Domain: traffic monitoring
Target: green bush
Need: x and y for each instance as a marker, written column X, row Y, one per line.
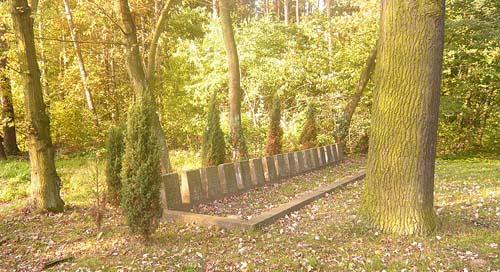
column 140, row 199
column 275, row 133
column 213, row 149
column 114, row 148
column 309, row 131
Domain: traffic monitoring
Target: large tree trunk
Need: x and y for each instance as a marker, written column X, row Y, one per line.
column 7, row 115
column 399, row 187
column 44, row 179
column 236, row 131
column 138, row 75
column 81, row 64
column 345, row 122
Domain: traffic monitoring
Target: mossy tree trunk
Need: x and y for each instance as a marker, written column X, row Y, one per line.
column 399, row 188
column 44, row 179
column 236, row 131
column 7, row 115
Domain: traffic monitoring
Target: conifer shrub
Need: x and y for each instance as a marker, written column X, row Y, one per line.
column 114, row 156
column 140, row 198
column 309, row 131
column 213, row 150
column 275, row 133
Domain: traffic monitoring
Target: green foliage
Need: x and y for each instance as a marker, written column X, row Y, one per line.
column 213, row 149
column 309, row 131
column 114, row 147
column 275, row 133
column 470, row 103
column 140, row 198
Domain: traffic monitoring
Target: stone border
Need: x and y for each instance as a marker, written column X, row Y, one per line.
column 265, row 218
column 216, row 182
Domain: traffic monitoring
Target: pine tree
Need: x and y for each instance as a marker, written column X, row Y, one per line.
column 141, row 172
column 114, row 147
column 275, row 133
column 309, row 132
column 213, row 150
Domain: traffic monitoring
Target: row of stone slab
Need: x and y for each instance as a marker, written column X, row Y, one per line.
column 192, row 187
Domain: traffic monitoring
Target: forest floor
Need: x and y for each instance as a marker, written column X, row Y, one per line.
column 325, row 235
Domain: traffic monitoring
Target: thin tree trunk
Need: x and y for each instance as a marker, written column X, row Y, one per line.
column 214, row 9
column 399, row 189
column 285, row 11
column 3, row 156
column 7, row 115
column 236, row 131
column 349, row 110
column 138, row 75
column 328, row 8
column 159, row 30
column 277, row 9
column 44, row 179
column 297, row 11
column 81, row 64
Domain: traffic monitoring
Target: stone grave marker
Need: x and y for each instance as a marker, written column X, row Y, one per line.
column 172, row 190
column 227, row 176
column 191, row 189
column 243, row 177
column 257, row 172
column 211, row 183
column 269, row 169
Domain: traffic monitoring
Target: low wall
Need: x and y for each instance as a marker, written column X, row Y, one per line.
column 182, row 191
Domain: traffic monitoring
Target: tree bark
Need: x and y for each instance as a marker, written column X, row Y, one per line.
column 44, row 179
column 285, row 11
column 159, row 29
column 214, row 9
column 138, row 75
column 328, row 8
column 7, row 115
column 297, row 11
column 399, row 188
column 345, row 122
column 81, row 64
column 236, row 131
column 3, row 156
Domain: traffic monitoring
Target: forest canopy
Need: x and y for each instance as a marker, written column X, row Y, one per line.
column 317, row 60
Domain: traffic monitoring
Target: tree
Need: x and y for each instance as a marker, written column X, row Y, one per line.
column 399, row 187
column 141, row 78
column 7, row 116
column 275, row 133
column 213, row 149
column 309, row 131
column 345, row 122
column 236, row 131
column 81, row 64
column 141, row 171
column 114, row 148
column 44, row 179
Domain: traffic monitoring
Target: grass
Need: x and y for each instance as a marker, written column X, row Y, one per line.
column 325, row 235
